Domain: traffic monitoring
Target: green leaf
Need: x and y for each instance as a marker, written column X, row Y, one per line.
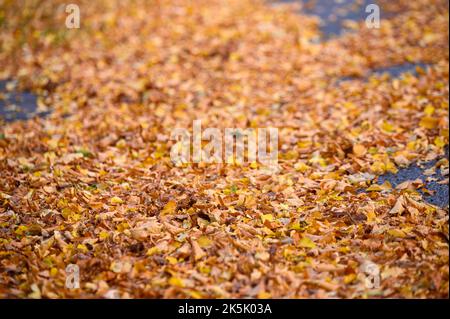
column 85, row 153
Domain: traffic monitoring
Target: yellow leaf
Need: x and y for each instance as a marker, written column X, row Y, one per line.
column 21, row 230
column 121, row 143
column 349, row 278
column 53, row 272
column 195, row 294
column 306, row 242
column 170, row 208
column 264, row 295
column 204, row 269
column 429, row 110
column 116, row 200
column 429, row 122
column 304, row 144
column 439, row 142
column 122, row 226
column 301, row 167
column 344, row 249
column 371, row 216
column 390, row 167
column 267, row 217
column 152, row 251
column 103, row 235
column 387, row 127
column 171, row 260
column 82, row 248
column 177, row 282
column 378, row 188
column 204, row 241
column 267, row 231
column 317, row 159
column 349, row 105
column 397, row 233
column 359, row 150
column 378, row 167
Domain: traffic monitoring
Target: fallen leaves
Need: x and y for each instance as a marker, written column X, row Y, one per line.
column 93, row 184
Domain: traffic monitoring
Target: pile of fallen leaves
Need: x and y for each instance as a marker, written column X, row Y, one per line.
column 93, row 183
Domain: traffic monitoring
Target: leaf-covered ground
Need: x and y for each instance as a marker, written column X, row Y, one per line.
column 92, row 184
